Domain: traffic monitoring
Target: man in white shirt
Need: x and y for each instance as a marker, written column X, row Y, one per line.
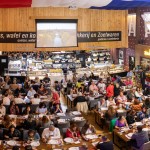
column 50, row 133
column 18, row 99
column 2, row 109
column 36, row 99
column 6, row 99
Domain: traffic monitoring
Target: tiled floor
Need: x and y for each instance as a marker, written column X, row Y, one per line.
column 90, row 118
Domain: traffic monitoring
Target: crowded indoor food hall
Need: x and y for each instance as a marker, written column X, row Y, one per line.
column 74, row 75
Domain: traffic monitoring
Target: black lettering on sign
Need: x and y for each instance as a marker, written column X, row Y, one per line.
column 30, row 37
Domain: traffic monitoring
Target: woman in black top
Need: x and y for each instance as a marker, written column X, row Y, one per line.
column 27, row 110
column 30, row 123
column 12, row 133
column 131, row 115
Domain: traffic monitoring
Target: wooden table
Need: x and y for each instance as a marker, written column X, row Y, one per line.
column 97, row 118
column 43, row 146
column 122, row 136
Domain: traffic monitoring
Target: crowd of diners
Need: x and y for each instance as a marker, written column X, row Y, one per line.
column 41, row 99
column 111, row 92
column 117, row 93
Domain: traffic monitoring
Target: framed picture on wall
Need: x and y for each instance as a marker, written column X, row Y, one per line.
column 120, row 54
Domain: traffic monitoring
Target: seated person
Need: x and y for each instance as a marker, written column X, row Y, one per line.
column 139, row 138
column 18, row 99
column 12, row 133
column 29, row 147
column 137, row 106
column 102, row 86
column 121, row 122
column 16, row 148
column 73, row 132
column 87, row 129
column 27, row 110
column 79, row 83
column 86, row 90
column 128, row 82
column 46, row 79
column 41, row 109
column 6, row 99
column 121, row 98
column 111, row 102
column 73, row 90
column 110, row 114
column 2, row 109
column 142, row 114
column 57, row 109
column 7, row 122
column 13, row 108
column 14, row 85
column 105, row 144
column 138, row 94
column 102, row 103
column 32, row 136
column 93, row 88
column 131, row 94
column 42, row 91
column 131, row 116
column 45, row 122
column 55, row 97
column 19, row 90
column 50, row 133
column 31, row 93
column 30, row 123
column 36, row 100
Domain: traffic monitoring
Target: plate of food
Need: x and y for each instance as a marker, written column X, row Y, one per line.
column 73, row 148
column 104, row 108
column 69, row 140
column 94, row 136
column 11, row 143
column 35, row 143
column 53, row 141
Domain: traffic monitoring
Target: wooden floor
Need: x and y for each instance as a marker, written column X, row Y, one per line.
column 90, row 117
